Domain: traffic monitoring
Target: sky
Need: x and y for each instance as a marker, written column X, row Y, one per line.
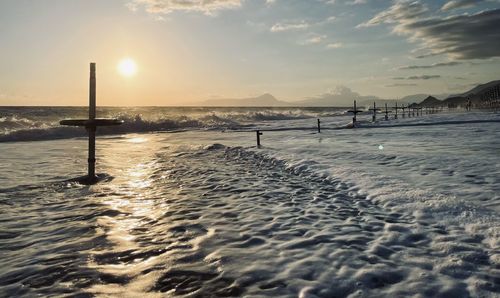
column 192, row 50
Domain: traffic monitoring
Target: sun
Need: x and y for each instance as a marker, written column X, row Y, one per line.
column 127, row 67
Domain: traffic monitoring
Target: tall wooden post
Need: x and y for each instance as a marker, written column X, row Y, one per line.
column 91, row 129
column 386, row 113
column 90, row 125
column 319, row 126
column 354, row 111
column 375, row 109
column 396, row 111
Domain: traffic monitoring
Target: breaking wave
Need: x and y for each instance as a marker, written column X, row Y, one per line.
column 24, row 124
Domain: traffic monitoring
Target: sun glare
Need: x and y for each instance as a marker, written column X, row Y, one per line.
column 127, row 67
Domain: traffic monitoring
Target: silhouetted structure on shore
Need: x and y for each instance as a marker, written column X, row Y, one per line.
column 374, row 109
column 386, row 113
column 91, row 125
column 355, row 111
column 396, row 108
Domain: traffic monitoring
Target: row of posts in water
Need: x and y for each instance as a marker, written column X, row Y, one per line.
column 92, row 122
column 405, row 111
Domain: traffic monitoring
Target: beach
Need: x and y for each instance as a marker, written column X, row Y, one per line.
column 201, row 211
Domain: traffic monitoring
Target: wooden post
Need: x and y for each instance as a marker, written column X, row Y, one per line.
column 319, row 126
column 90, row 125
column 396, row 111
column 374, row 117
column 92, row 92
column 258, row 133
column 403, row 108
column 386, row 113
column 355, row 111
column 91, row 129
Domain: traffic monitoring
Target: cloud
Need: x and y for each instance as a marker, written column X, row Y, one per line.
column 330, row 19
column 460, row 37
column 300, row 25
column 401, row 85
column 441, row 64
column 455, row 4
column 429, row 54
column 467, row 36
column 422, row 77
column 314, row 39
column 402, row 11
column 339, row 95
column 354, row 2
column 167, row 6
column 280, row 27
column 462, row 87
column 334, row 45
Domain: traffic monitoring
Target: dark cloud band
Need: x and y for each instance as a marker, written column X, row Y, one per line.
column 466, row 36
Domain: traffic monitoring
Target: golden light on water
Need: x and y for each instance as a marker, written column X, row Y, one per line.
column 127, row 67
column 137, row 140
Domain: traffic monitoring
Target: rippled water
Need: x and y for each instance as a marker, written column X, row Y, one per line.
column 394, row 211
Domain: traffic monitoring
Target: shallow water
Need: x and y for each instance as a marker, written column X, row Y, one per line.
column 394, row 211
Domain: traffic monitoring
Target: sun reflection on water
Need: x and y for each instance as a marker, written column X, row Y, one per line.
column 137, row 140
column 130, row 196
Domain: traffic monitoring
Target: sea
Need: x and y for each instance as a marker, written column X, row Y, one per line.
column 189, row 206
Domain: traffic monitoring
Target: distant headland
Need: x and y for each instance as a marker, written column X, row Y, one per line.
column 342, row 97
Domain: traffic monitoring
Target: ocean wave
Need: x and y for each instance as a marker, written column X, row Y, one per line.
column 131, row 125
column 12, row 123
column 15, row 128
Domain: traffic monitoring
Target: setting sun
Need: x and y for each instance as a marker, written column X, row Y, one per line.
column 127, row 67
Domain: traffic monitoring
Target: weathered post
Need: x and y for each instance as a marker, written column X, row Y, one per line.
column 90, row 125
column 319, row 126
column 403, row 108
column 374, row 109
column 91, row 129
column 396, row 108
column 258, row 133
column 386, row 113
column 355, row 111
